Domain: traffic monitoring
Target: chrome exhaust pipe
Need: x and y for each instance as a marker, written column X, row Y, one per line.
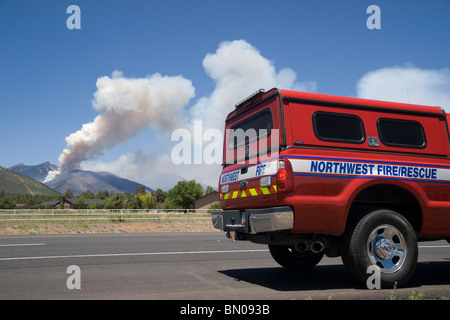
column 319, row 245
column 316, row 245
column 303, row 246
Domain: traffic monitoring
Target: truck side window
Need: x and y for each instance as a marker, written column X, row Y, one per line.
column 338, row 127
column 401, row 133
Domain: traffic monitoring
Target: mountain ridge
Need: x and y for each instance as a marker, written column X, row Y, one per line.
column 15, row 183
column 80, row 181
column 77, row 180
column 36, row 172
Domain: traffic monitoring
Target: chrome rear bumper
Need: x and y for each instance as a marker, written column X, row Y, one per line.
column 254, row 221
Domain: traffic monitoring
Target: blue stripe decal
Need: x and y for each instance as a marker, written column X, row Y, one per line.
column 366, row 177
column 370, row 170
column 365, row 161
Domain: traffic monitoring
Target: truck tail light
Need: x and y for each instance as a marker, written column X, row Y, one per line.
column 285, row 177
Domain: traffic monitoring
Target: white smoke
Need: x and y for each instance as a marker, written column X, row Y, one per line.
column 407, row 84
column 51, row 175
column 126, row 106
column 238, row 70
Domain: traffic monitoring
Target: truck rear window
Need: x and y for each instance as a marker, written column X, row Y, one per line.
column 401, row 133
column 338, row 127
column 251, row 129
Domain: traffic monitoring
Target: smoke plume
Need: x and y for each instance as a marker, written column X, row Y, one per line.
column 126, row 106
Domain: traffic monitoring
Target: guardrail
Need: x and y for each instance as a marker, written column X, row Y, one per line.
column 113, row 215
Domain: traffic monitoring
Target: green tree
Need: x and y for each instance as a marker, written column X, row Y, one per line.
column 148, row 201
column 81, row 202
column 140, row 190
column 183, row 194
column 134, row 203
column 7, row 202
column 68, row 193
column 107, row 203
column 208, row 190
column 160, row 195
column 88, row 194
column 92, row 205
column 102, row 194
column 116, row 201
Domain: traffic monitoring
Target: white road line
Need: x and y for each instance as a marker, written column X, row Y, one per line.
column 150, row 254
column 434, row 246
column 129, row 254
column 22, row 244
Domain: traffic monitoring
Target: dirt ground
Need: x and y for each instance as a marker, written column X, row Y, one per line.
column 23, row 228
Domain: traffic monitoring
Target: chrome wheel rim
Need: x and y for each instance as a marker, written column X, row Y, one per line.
column 386, row 248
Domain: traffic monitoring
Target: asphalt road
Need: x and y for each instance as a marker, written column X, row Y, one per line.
column 188, row 267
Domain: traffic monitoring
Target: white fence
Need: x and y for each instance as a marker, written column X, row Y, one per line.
column 113, row 215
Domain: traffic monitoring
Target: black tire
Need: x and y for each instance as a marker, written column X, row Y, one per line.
column 383, row 238
column 291, row 259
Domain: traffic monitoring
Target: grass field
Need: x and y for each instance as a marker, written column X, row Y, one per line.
column 100, row 221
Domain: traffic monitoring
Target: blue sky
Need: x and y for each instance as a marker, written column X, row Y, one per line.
column 49, row 73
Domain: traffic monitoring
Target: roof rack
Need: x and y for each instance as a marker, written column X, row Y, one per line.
column 250, row 97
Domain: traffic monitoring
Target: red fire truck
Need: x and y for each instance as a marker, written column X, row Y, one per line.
column 312, row 175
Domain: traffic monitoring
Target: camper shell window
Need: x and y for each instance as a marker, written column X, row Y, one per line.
column 401, row 133
column 338, row 127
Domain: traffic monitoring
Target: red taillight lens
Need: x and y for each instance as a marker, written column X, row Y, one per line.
column 285, row 176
